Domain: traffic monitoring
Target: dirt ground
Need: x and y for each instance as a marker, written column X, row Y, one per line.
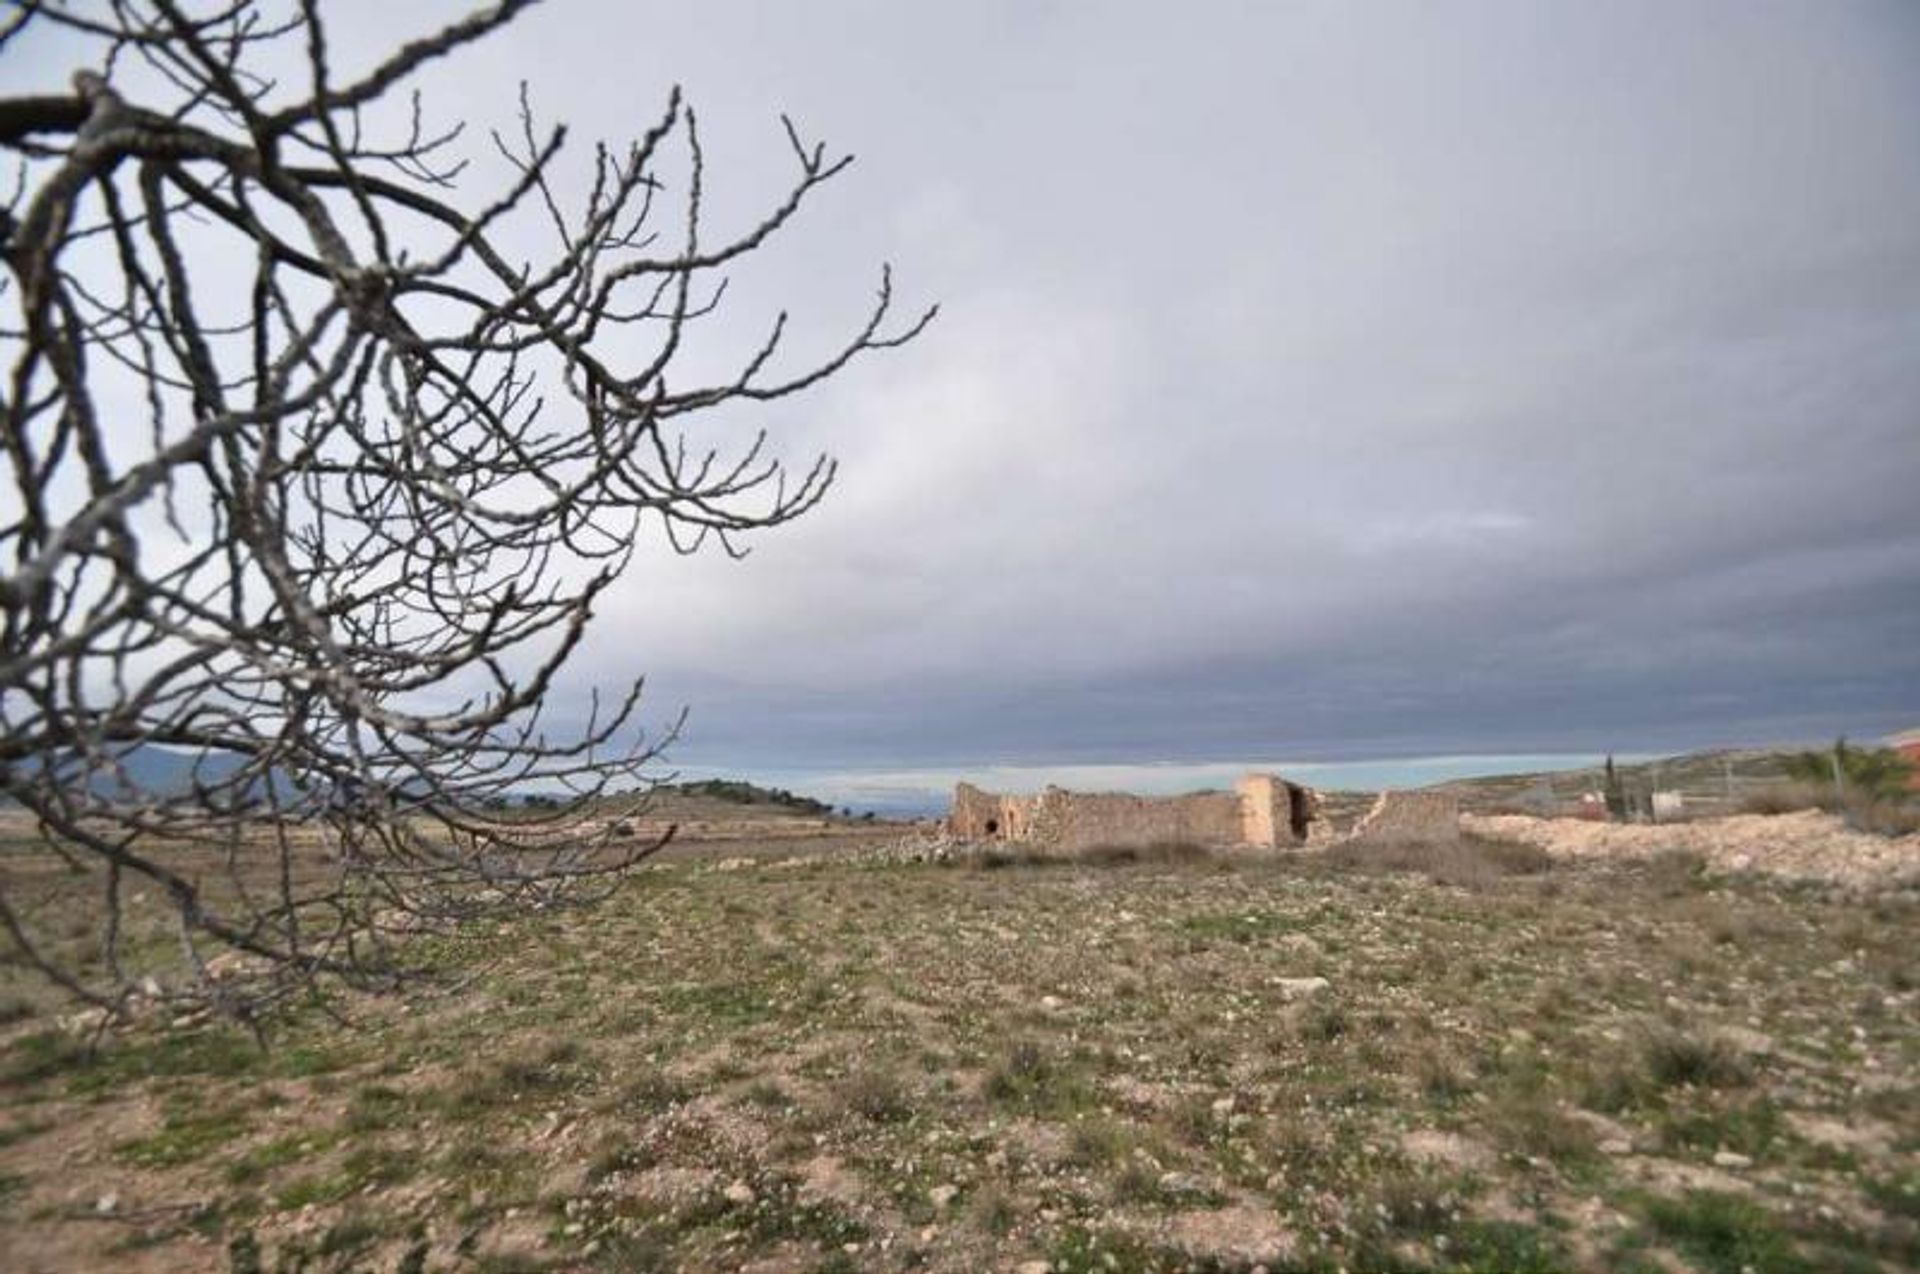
column 778, row 1059
column 1808, row 845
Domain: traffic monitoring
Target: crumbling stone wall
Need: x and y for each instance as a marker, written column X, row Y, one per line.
column 1274, row 812
column 1426, row 817
column 981, row 815
column 1263, row 811
column 1081, row 820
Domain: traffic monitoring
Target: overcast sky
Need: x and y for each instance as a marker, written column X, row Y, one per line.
column 1318, row 380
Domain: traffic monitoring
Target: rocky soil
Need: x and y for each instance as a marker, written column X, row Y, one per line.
column 856, row 1061
column 1807, row 845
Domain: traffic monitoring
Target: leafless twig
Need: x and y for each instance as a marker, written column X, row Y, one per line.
column 314, row 482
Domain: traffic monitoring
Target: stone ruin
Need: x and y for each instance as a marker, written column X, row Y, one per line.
column 1427, row 818
column 1264, row 811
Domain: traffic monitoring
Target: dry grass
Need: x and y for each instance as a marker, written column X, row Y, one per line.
column 1883, row 815
column 1470, row 862
column 1125, row 1062
column 993, row 856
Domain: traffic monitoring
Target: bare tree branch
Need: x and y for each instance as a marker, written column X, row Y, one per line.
column 313, row 483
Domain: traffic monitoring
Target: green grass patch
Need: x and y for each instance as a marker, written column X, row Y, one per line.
column 1749, row 1128
column 1034, row 1080
column 368, row 1166
column 1510, row 1246
column 37, row 1057
column 187, row 1134
column 1242, row 927
column 277, row 1153
column 1724, row 1234
column 727, row 1004
column 376, row 1107
column 1897, row 1194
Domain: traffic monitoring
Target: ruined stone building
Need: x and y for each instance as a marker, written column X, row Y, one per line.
column 1264, row 811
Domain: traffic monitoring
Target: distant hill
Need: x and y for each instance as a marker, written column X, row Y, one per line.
column 159, row 771
column 1718, row 778
column 740, row 792
column 164, row 771
column 723, row 800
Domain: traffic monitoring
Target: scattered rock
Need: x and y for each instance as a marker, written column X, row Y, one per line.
column 1804, row 845
column 1242, row 1234
column 1853, row 1134
column 825, row 1179
column 1426, row 1145
column 107, row 1203
column 1616, row 1146
column 943, row 1195
column 1731, row 1159
column 739, row 1193
column 1302, row 988
column 1182, row 1183
column 1034, row 1267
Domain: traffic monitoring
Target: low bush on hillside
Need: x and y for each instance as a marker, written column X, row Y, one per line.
column 1887, row 815
column 1471, row 861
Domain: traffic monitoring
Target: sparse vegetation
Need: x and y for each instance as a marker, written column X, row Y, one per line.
column 1472, row 862
column 1876, row 773
column 1894, row 812
column 1726, row 1234
column 1162, row 1061
column 1676, row 1058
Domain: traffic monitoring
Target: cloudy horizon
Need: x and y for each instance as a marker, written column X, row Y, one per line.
column 1330, row 382
column 1334, row 384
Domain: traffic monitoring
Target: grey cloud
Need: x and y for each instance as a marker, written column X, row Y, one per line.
column 1312, row 380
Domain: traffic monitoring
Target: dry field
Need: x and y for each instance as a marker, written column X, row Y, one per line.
column 819, row 1059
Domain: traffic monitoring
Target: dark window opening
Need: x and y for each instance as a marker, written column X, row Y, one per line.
column 993, row 827
column 1297, row 816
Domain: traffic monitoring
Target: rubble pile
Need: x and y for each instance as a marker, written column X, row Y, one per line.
column 1804, row 845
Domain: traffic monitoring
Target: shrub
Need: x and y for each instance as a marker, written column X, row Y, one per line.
column 1471, row 862
column 1880, row 773
column 1673, row 1058
column 876, row 1096
column 1725, row 1234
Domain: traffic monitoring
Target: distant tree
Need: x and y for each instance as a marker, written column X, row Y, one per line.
column 1615, row 793
column 318, row 471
